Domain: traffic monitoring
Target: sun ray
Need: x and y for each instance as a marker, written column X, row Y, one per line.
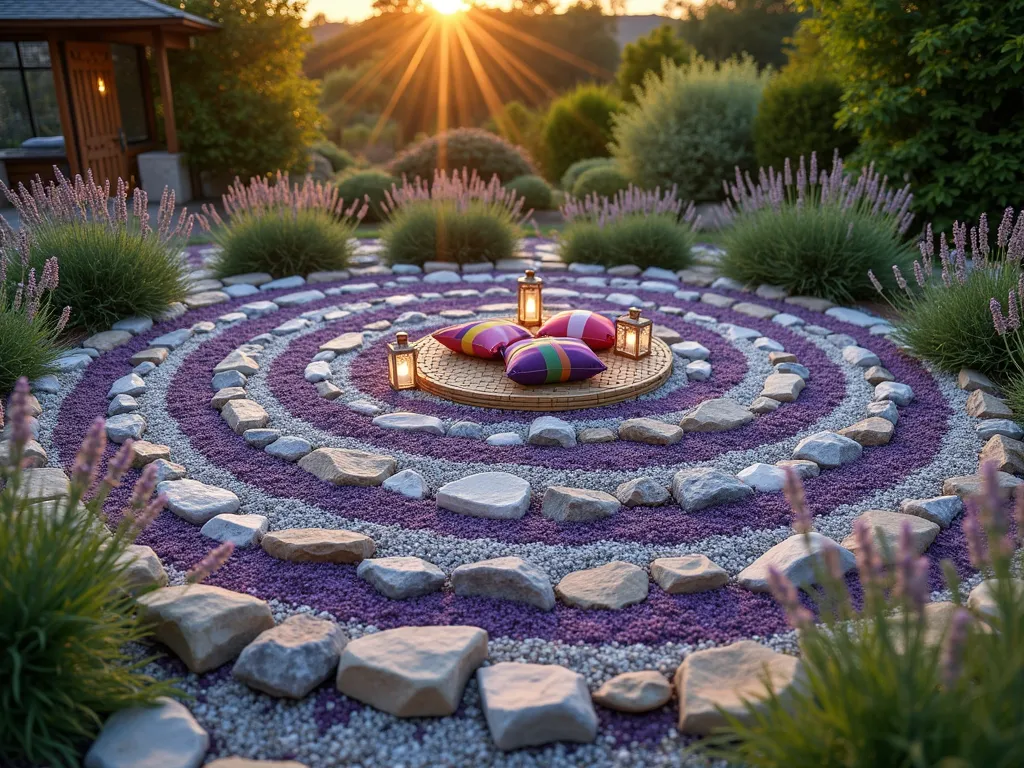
column 383, row 31
column 403, row 83
column 523, row 72
column 442, row 97
column 483, row 81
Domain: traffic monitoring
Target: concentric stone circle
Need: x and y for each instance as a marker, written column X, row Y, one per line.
column 799, row 370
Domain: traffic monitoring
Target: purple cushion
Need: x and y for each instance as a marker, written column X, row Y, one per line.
column 550, row 361
column 482, row 338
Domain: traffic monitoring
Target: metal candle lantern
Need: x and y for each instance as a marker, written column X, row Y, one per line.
column 633, row 335
column 402, row 363
column 530, row 305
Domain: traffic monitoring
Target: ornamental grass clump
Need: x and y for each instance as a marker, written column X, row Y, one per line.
column 29, row 331
column 889, row 679
column 457, row 218
column 944, row 308
column 113, row 263
column 283, row 229
column 648, row 228
column 816, row 233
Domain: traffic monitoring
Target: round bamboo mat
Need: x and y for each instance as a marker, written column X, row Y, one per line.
column 483, row 383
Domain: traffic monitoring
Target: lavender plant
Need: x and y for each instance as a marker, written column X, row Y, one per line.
column 890, row 679
column 945, row 305
column 28, row 330
column 281, row 228
column 648, row 228
column 113, row 262
column 458, row 217
column 816, row 232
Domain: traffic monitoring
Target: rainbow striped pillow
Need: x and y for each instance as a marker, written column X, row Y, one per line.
column 596, row 330
column 482, row 338
column 550, row 361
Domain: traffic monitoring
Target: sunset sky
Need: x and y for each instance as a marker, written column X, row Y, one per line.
column 354, row 10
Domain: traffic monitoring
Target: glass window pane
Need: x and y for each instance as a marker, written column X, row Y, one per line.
column 42, row 95
column 130, row 94
column 34, row 54
column 15, row 125
column 8, row 55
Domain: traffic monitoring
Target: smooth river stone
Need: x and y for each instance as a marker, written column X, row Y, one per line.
column 828, row 450
column 347, row 342
column 871, row 431
column 318, row 545
column 197, row 502
column 612, row 586
column 505, row 578
column 400, row 578
column 886, row 527
column 575, row 505
column 701, row 487
column 343, row 466
column 796, row 558
column 687, row 574
column 410, row 422
column 642, row 492
column 635, row 692
column 650, row 431
column 164, row 735
column 717, row 415
column 495, row 495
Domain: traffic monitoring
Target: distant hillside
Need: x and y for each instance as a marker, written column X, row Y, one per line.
column 326, row 31
column 633, row 27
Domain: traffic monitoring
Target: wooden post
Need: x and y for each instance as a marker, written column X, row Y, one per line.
column 67, row 127
column 164, row 76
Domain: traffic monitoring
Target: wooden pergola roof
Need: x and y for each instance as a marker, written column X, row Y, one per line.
column 38, row 15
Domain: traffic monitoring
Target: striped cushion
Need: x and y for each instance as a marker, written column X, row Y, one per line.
column 550, row 361
column 596, row 330
column 482, row 338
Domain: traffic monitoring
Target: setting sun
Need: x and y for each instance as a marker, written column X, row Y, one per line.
column 447, row 7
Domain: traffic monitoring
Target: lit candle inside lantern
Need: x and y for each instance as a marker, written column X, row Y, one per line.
column 403, row 371
column 531, row 307
column 630, row 339
column 402, row 363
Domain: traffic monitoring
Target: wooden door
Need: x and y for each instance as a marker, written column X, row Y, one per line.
column 96, row 111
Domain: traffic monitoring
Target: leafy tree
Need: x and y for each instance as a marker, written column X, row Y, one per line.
column 722, row 29
column 578, row 126
column 933, row 91
column 244, row 105
column 397, row 6
column 647, row 54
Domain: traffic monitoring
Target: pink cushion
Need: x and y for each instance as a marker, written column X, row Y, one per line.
column 597, row 331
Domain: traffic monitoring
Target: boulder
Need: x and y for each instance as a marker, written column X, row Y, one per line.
column 244, row 414
column 289, row 448
column 982, row 405
column 701, row 487
column 347, row 342
column 828, row 450
column 596, row 435
column 241, row 530
column 970, row 380
column 495, row 495
column 863, row 358
column 716, row 415
column 971, row 485
column 412, row 671
column 901, row 394
column 293, row 658
column 876, row 375
column 409, row 483
column 205, row 626
column 784, row 387
column 885, row 528
column 989, row 428
column 885, row 409
column 400, row 578
column 143, row 570
column 126, row 426
column 612, row 586
column 649, row 431
column 132, row 385
column 318, row 545
column 528, row 705
column 717, row 681
column 237, row 361
column 941, row 510
column 766, row 478
column 797, row 558
column 635, row 692
column 197, row 502
column 1006, row 453
column 642, row 492
column 345, row 466
column 687, row 574
column 871, row 431
column 575, row 505
column 161, row 736
column 505, row 578
column 804, row 469
column 548, row 430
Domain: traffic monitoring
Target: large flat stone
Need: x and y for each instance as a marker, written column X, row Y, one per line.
column 635, row 692
column 828, row 450
column 412, row 671
column 687, row 574
column 344, row 466
column 505, row 578
column 410, row 422
column 43, row 484
column 701, row 487
column 244, row 414
column 650, row 431
column 132, row 385
column 871, row 431
column 718, row 415
column 1005, row 453
column 401, row 578
column 784, row 387
column 197, row 502
column 318, row 545
column 797, row 558
column 885, row 527
column 347, row 342
column 941, row 510
column 293, row 658
column 728, row 678
column 161, row 736
column 971, row 485
column 205, row 626
column 528, row 705
column 237, row 361
column 125, row 426
column 107, row 340
column 612, row 586
column 241, row 530
column 575, row 505
column 495, row 495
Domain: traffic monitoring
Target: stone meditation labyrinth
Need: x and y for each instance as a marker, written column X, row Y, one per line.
column 422, row 582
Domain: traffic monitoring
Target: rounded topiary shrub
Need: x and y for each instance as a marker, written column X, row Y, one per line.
column 458, row 218
column 577, row 169
column 294, row 230
column 603, row 181
column 339, row 158
column 691, row 127
column 578, row 126
column 534, row 191
column 474, row 149
column 370, row 186
column 797, row 117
